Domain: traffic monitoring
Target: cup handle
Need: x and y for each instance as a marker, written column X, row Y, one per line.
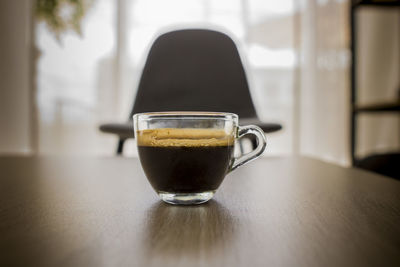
column 261, row 144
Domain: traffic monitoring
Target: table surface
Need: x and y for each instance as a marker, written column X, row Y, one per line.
column 66, row 211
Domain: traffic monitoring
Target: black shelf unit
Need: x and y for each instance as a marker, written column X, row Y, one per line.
column 383, row 3
column 377, row 107
column 356, row 109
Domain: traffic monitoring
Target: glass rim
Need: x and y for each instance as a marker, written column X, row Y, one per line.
column 182, row 115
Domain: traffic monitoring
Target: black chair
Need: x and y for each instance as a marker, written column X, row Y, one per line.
column 192, row 70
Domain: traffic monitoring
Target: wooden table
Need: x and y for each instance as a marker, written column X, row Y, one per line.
column 65, row 211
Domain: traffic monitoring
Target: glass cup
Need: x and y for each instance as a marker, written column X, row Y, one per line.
column 186, row 155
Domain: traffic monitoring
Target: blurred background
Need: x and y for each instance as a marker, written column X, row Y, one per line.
column 58, row 84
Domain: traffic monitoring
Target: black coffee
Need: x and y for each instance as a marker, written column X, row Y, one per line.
column 185, row 160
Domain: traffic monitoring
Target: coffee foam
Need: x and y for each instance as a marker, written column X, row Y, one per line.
column 165, row 137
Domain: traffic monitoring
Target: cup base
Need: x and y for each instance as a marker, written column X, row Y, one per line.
column 186, row 198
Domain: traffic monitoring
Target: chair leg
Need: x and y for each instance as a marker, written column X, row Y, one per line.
column 254, row 142
column 120, row 147
column 241, row 147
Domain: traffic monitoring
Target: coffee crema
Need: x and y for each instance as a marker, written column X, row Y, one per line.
column 183, row 137
column 185, row 160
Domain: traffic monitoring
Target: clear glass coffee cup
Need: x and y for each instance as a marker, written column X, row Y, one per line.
column 186, row 155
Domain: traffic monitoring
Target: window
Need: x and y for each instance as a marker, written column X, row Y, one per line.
column 86, row 80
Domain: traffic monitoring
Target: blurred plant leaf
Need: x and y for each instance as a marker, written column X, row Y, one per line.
column 62, row 15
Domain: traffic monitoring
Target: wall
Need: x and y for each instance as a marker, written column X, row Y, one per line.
column 15, row 47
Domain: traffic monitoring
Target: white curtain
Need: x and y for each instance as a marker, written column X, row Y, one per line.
column 324, row 92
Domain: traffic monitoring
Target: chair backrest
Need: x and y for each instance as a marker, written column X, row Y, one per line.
column 194, row 70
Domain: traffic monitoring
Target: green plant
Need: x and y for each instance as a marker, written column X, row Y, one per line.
column 62, row 15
